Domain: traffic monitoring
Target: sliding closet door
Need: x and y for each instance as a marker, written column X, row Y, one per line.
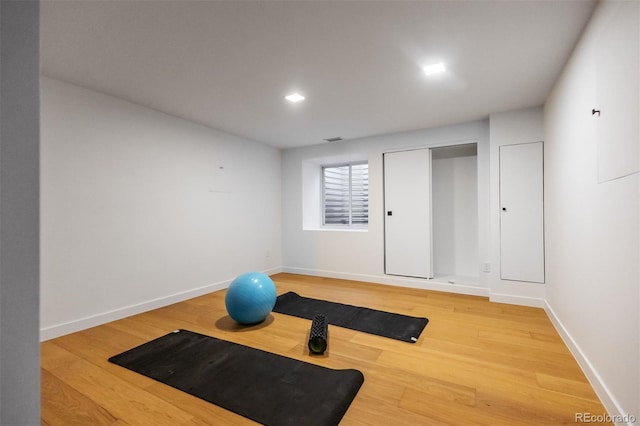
column 407, row 203
column 521, row 213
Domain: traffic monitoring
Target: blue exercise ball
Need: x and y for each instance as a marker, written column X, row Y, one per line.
column 250, row 298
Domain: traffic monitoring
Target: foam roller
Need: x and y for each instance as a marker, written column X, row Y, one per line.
column 318, row 335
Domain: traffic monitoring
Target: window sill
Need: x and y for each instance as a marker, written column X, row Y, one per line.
column 336, row 229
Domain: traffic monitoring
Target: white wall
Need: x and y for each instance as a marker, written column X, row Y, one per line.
column 137, row 211
column 592, row 229
column 360, row 255
column 454, row 194
column 357, row 254
column 509, row 128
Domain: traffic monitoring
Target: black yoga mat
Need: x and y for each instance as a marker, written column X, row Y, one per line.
column 265, row 387
column 386, row 324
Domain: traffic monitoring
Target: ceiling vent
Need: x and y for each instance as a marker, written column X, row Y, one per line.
column 338, row 139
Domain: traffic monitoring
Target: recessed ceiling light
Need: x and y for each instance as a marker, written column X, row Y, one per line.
column 294, row 97
column 434, row 69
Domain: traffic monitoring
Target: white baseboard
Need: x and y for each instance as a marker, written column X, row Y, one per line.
column 517, row 300
column 425, row 284
column 606, row 397
column 57, row 330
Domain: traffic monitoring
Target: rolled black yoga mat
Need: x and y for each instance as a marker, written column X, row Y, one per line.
column 265, row 387
column 381, row 323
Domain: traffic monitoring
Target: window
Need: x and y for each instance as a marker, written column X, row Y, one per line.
column 345, row 194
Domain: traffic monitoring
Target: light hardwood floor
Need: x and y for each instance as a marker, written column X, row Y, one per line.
column 476, row 362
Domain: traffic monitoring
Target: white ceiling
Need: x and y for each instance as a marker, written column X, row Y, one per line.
column 228, row 64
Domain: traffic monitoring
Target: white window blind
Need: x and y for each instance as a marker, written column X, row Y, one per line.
column 345, row 194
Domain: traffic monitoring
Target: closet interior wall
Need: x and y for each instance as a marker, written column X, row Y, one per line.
column 455, row 213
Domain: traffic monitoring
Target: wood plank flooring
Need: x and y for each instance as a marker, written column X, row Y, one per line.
column 476, row 362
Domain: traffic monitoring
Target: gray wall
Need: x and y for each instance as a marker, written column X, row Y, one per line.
column 19, row 211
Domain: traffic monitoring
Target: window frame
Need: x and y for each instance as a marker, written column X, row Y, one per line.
column 349, row 225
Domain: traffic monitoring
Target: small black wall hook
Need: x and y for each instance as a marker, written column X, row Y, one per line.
column 595, row 111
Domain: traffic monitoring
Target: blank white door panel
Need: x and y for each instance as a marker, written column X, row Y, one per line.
column 521, row 212
column 407, row 201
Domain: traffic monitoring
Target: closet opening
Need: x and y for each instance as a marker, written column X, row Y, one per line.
column 454, row 204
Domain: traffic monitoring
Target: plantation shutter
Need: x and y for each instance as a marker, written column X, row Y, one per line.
column 346, row 194
column 336, row 195
column 360, row 194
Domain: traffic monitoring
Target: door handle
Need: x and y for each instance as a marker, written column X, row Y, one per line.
column 389, row 213
column 504, row 209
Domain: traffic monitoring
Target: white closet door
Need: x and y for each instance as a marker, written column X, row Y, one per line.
column 521, row 212
column 407, row 201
